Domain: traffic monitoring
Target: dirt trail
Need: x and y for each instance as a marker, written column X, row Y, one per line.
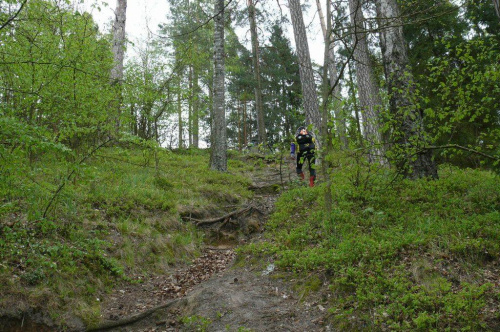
column 239, row 299
column 215, row 295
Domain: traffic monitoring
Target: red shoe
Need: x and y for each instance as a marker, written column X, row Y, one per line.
column 311, row 181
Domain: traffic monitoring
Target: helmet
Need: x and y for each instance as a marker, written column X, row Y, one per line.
column 300, row 129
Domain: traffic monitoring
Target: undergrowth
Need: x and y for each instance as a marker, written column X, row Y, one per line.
column 64, row 240
column 396, row 255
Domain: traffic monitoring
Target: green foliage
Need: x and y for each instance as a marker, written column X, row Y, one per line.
column 465, row 85
column 196, row 323
column 281, row 86
column 51, row 70
column 395, row 252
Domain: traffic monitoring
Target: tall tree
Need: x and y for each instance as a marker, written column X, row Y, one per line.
column 119, row 41
column 305, row 66
column 496, row 3
column 195, row 121
column 281, row 87
column 218, row 157
column 261, row 129
column 179, row 114
column 118, row 49
column 327, row 30
column 192, row 38
column 408, row 130
column 370, row 101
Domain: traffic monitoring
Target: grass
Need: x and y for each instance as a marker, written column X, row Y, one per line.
column 117, row 217
column 404, row 255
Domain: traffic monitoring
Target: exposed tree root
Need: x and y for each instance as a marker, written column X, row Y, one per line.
column 107, row 325
column 225, row 218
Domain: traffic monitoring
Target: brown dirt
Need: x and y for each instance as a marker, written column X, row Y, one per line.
column 238, row 299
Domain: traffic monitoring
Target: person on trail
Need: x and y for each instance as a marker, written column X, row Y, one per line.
column 302, row 148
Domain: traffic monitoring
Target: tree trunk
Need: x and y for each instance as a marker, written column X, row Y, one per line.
column 240, row 123
column 218, row 158
column 245, row 131
column 119, row 41
column 356, row 108
column 179, row 113
column 340, row 120
column 261, row 128
column 190, row 108
column 196, row 85
column 196, row 108
column 118, row 49
column 496, row 3
column 369, row 94
column 305, row 67
column 409, row 134
column 325, row 165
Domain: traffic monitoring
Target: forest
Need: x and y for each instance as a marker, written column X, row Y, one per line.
column 112, row 164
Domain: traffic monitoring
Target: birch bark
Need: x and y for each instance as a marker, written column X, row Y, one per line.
column 118, row 49
column 119, row 41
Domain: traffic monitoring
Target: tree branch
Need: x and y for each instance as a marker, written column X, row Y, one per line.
column 12, row 18
column 63, row 183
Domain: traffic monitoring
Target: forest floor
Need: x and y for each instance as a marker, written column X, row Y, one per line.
column 216, row 292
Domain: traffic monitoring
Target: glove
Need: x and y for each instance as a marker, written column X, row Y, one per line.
column 293, row 156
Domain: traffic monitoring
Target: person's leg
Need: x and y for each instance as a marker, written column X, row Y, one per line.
column 311, row 160
column 300, row 163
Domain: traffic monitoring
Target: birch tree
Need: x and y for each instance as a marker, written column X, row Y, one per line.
column 118, row 49
column 408, row 129
column 261, row 130
column 218, row 157
column 119, row 41
column 305, row 67
column 369, row 94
